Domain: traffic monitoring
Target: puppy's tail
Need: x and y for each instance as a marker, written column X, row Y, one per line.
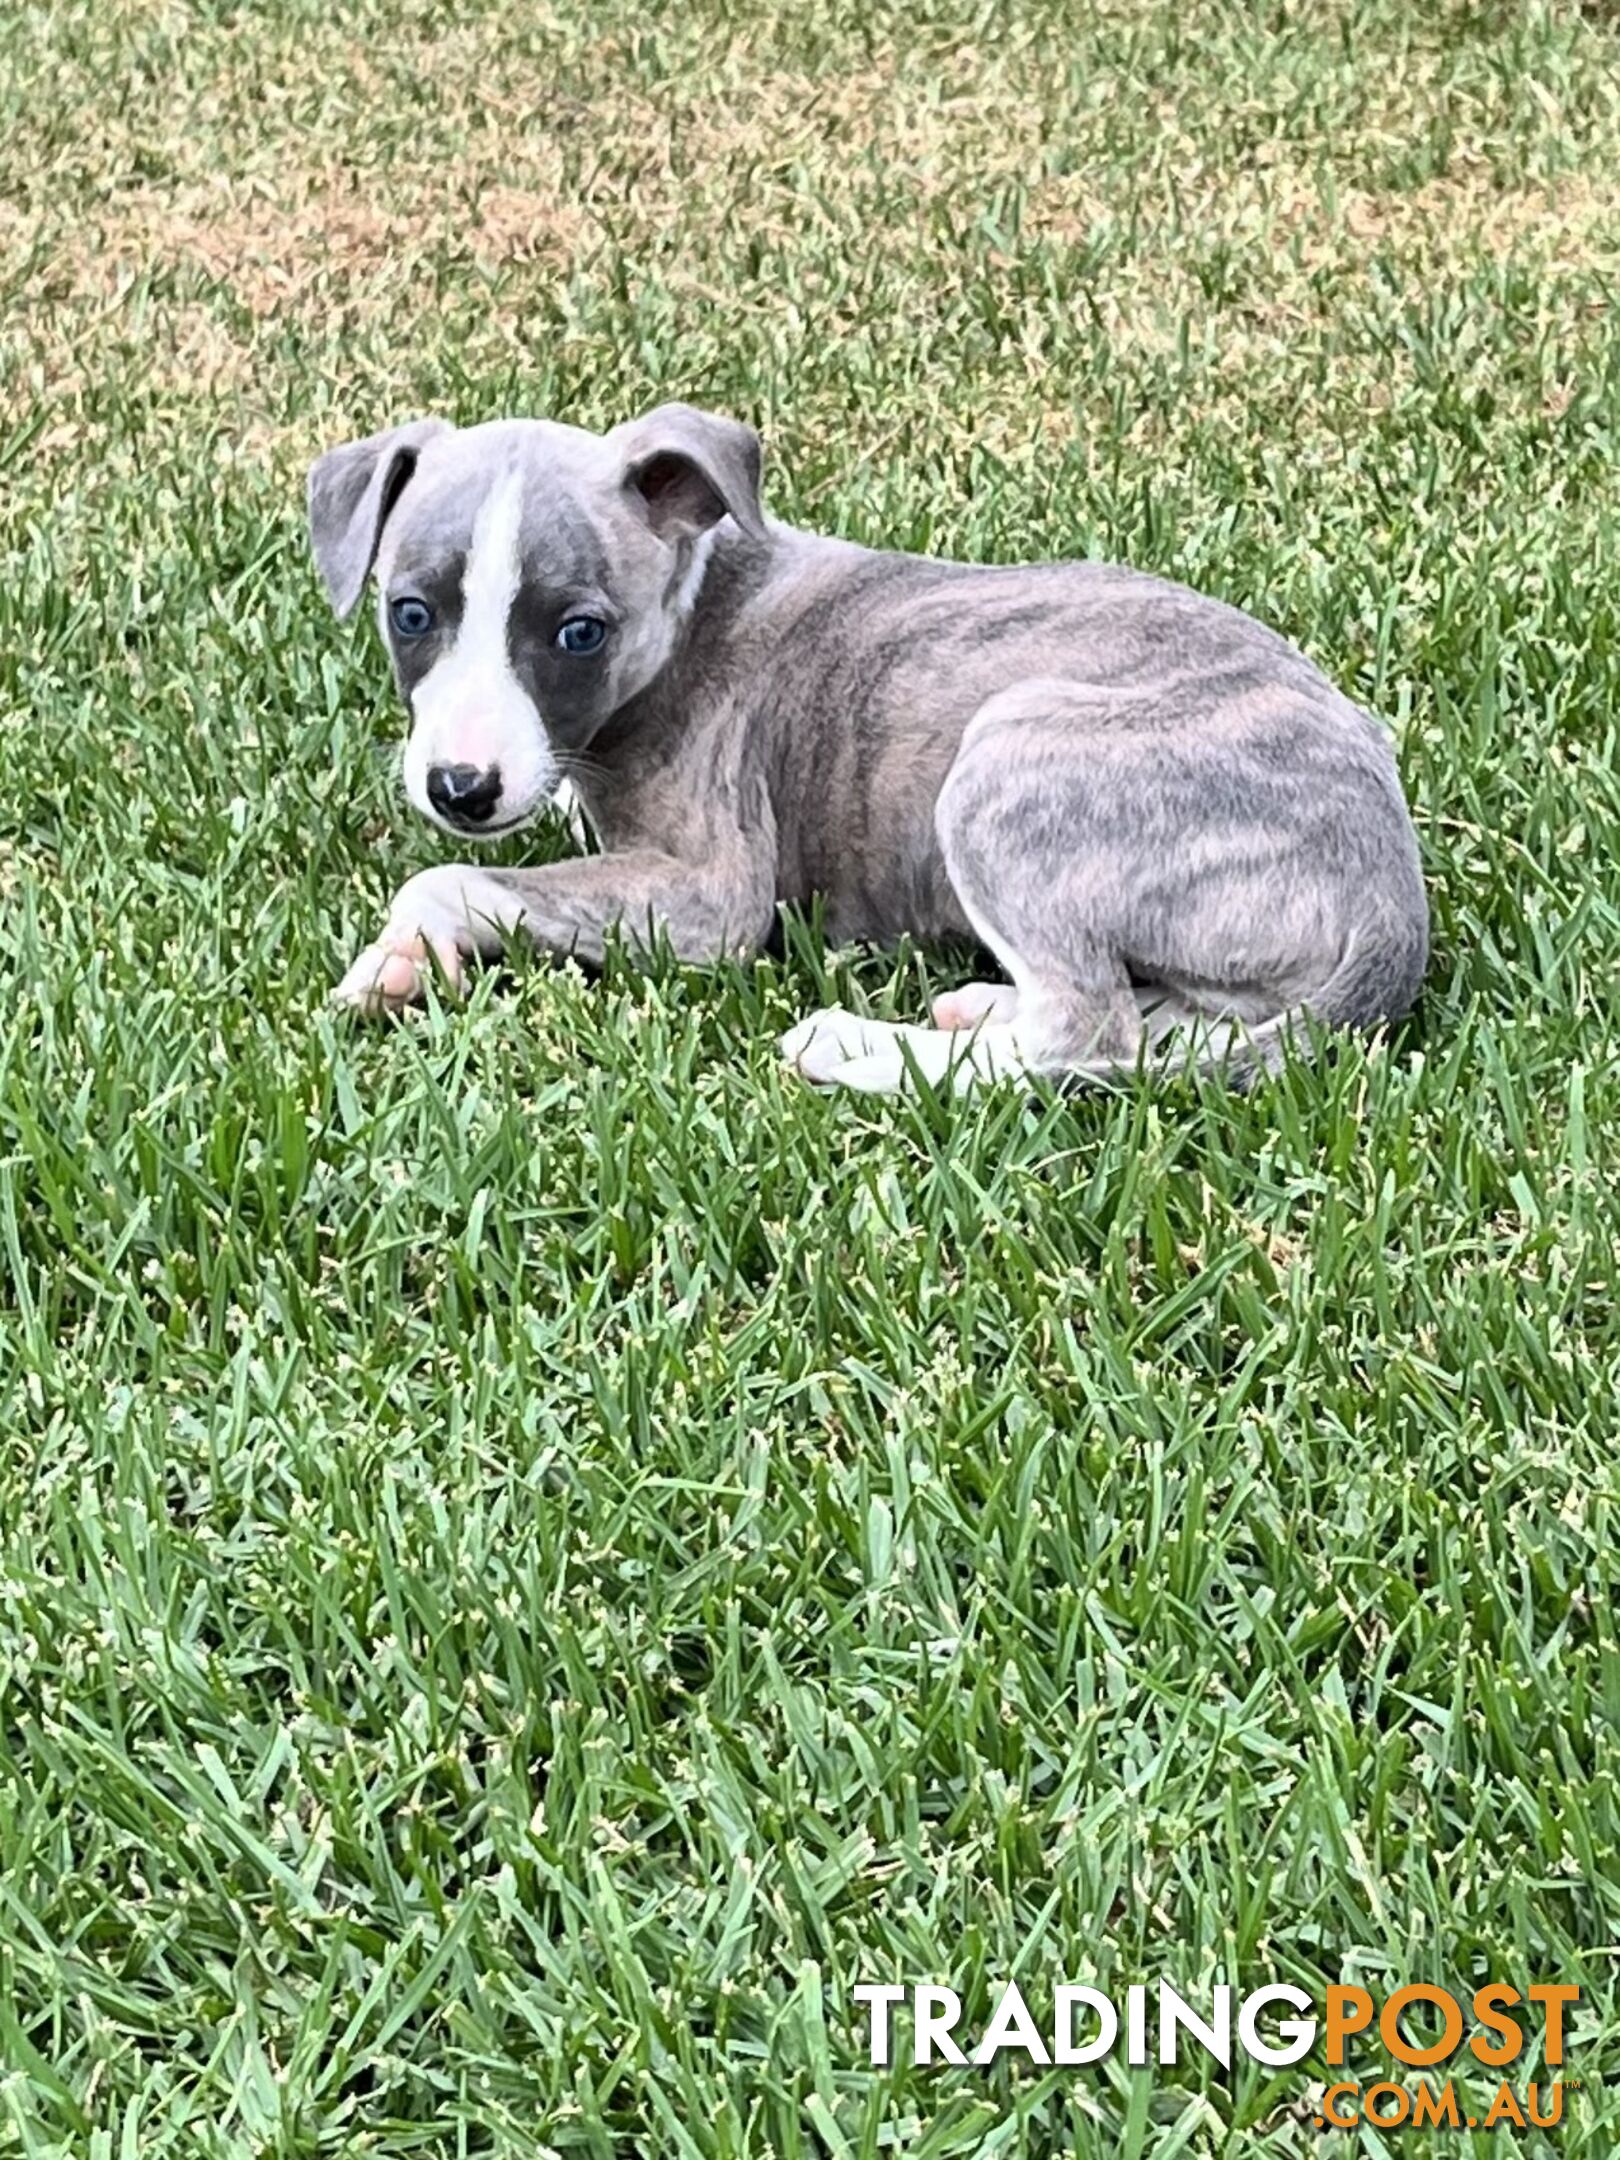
column 1377, row 978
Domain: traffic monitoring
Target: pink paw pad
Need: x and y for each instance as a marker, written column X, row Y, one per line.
column 974, row 1004
column 396, row 971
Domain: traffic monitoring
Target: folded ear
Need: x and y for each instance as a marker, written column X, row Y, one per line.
column 688, row 469
column 351, row 491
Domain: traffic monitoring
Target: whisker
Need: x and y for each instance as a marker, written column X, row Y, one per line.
column 573, row 765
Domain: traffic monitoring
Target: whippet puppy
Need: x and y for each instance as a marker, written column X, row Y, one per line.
column 1154, row 812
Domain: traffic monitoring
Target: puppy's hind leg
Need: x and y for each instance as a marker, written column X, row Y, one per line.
column 1039, row 896
column 1039, row 884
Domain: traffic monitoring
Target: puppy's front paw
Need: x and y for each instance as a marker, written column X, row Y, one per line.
column 395, row 973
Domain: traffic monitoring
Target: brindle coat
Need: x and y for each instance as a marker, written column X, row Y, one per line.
column 1153, row 810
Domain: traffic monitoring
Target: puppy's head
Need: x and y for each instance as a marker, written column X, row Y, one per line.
column 531, row 580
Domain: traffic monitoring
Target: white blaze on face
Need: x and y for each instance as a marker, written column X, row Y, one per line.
column 470, row 709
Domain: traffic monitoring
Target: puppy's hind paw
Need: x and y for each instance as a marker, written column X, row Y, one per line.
column 395, row 972
column 882, row 1057
column 975, row 1004
column 818, row 1046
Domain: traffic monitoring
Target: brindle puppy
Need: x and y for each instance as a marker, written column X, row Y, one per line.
column 1155, row 812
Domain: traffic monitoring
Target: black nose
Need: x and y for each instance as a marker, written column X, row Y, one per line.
column 464, row 794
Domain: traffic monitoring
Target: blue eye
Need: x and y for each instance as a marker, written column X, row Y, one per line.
column 411, row 618
column 582, row 634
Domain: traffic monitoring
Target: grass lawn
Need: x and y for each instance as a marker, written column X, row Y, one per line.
column 536, row 1552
